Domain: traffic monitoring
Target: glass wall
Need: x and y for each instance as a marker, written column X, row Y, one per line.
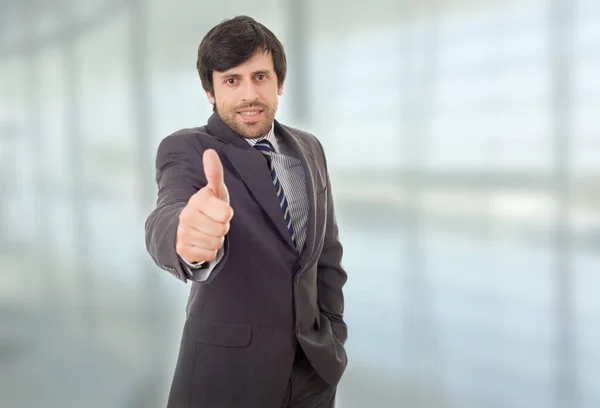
column 463, row 144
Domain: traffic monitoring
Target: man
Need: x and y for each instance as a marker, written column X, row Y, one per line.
column 245, row 212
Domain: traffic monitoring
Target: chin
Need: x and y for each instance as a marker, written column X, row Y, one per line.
column 252, row 131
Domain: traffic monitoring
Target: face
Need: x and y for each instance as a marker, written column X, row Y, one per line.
column 246, row 96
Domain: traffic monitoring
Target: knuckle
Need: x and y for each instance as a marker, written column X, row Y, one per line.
column 225, row 216
column 194, row 201
column 222, row 210
column 203, row 225
column 209, row 255
column 216, row 206
column 198, row 200
column 208, row 244
column 185, row 217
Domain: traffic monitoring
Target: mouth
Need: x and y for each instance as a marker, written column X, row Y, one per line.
column 250, row 115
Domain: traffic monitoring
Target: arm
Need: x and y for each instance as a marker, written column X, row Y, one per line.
column 179, row 175
column 331, row 276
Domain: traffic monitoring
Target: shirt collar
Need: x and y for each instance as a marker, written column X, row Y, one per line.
column 270, row 136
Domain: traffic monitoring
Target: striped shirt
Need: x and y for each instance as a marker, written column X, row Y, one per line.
column 293, row 181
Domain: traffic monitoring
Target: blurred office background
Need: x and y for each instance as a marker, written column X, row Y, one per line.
column 463, row 140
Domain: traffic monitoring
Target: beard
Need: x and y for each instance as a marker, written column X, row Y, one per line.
column 249, row 130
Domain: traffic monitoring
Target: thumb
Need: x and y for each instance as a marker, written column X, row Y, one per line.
column 213, row 170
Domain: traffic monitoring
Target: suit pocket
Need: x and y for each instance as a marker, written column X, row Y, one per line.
column 338, row 330
column 220, row 333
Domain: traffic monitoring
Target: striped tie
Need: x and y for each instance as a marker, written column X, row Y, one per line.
column 265, row 147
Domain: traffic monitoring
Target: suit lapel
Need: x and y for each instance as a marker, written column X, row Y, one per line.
column 252, row 169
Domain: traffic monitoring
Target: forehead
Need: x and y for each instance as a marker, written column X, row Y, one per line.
column 260, row 61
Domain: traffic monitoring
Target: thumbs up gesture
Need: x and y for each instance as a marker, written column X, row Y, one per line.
column 204, row 221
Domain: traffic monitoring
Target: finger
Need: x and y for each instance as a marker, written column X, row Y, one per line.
column 194, row 254
column 194, row 237
column 206, row 225
column 213, row 171
column 216, row 209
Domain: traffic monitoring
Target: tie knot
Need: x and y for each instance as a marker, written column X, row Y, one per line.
column 264, row 146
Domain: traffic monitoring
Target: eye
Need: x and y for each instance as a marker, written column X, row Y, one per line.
column 261, row 77
column 231, row 81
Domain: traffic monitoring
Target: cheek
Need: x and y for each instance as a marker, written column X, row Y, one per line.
column 227, row 105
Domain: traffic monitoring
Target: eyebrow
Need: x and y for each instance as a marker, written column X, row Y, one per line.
column 255, row 73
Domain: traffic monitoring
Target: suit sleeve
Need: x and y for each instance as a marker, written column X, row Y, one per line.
column 179, row 175
column 331, row 276
column 200, row 271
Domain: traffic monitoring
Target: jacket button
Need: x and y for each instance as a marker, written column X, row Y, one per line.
column 298, row 328
column 297, row 278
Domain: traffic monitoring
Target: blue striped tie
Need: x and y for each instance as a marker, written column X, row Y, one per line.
column 265, row 147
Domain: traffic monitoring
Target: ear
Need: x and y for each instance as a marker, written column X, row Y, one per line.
column 280, row 90
column 210, row 97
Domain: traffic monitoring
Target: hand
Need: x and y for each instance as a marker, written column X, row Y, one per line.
column 204, row 221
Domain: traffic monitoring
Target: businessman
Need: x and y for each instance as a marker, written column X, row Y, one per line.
column 245, row 212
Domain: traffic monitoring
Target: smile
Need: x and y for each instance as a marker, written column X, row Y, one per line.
column 251, row 116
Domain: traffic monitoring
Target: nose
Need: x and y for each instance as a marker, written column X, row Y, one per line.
column 248, row 91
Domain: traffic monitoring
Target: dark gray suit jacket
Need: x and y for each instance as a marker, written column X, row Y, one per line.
column 245, row 321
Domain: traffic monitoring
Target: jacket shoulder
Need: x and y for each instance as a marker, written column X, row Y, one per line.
column 308, row 137
column 187, row 135
column 187, row 140
column 303, row 133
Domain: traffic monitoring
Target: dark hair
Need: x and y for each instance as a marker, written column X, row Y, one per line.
column 233, row 42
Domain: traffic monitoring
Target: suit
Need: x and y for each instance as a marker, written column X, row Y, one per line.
column 264, row 298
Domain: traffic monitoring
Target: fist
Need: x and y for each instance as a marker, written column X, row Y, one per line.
column 204, row 221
